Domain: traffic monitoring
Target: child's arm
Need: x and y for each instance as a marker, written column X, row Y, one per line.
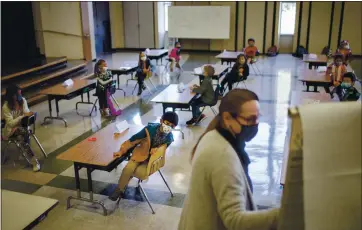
column 201, row 89
column 104, row 80
column 246, row 70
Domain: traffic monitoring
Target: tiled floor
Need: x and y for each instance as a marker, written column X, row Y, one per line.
column 56, row 179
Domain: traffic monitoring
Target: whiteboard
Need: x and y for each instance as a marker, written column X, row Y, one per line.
column 204, row 22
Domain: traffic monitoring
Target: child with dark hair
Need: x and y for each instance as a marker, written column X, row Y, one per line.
column 240, row 71
column 336, row 70
column 143, row 71
column 349, row 92
column 155, row 135
column 104, row 80
column 175, row 56
column 251, row 51
column 345, row 50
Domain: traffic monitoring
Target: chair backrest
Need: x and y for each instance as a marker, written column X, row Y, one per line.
column 216, row 95
column 157, row 160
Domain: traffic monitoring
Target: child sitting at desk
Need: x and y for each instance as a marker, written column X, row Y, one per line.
column 345, row 50
column 153, row 135
column 143, row 71
column 175, row 56
column 240, row 71
column 251, row 51
column 104, row 80
column 207, row 93
column 349, row 92
column 336, row 70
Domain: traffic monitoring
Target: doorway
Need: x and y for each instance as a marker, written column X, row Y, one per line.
column 287, row 26
column 102, row 27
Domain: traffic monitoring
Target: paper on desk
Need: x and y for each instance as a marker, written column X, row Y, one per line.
column 322, row 69
column 198, row 70
column 68, row 82
column 122, row 126
column 313, row 56
column 323, row 181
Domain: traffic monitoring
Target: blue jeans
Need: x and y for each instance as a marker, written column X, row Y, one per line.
column 195, row 105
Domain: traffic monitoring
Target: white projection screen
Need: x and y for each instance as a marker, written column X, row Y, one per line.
column 204, row 22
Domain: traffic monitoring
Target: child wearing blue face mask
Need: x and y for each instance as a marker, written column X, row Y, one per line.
column 156, row 136
column 349, row 92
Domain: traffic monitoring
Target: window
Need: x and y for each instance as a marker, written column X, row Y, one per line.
column 166, row 5
column 287, row 20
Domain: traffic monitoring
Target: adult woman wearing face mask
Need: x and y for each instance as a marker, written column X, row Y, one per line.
column 219, row 195
column 14, row 110
column 143, row 70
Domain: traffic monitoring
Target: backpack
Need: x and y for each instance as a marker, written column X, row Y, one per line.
column 300, row 51
column 326, row 51
column 272, row 51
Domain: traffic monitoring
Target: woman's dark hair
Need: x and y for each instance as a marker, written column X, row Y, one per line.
column 96, row 66
column 177, row 43
column 9, row 96
column 231, row 103
column 170, row 117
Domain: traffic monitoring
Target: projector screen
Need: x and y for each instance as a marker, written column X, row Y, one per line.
column 204, row 22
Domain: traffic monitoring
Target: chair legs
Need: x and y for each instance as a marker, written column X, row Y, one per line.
column 40, row 146
column 94, row 107
column 163, row 178
column 144, row 194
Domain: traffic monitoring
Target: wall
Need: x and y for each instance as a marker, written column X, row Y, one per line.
column 117, row 24
column 261, row 20
column 58, row 35
column 325, row 23
column 160, row 24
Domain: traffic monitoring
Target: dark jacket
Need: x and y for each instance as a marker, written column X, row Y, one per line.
column 235, row 71
column 206, row 90
column 141, row 67
column 350, row 94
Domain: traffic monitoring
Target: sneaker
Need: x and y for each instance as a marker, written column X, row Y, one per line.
column 107, row 113
column 117, row 193
column 191, row 122
column 202, row 117
column 36, row 165
column 139, row 91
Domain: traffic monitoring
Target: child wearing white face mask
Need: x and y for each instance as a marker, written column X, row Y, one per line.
column 144, row 70
column 156, row 135
column 104, row 79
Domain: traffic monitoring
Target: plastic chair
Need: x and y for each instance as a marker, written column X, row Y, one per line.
column 146, row 169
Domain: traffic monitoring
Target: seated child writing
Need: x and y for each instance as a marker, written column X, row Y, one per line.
column 206, row 92
column 153, row 136
column 336, row 70
column 251, row 51
column 104, row 80
column 143, row 71
column 345, row 50
column 240, row 71
column 175, row 56
column 349, row 92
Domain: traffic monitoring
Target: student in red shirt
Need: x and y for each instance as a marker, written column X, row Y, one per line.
column 251, row 51
column 175, row 56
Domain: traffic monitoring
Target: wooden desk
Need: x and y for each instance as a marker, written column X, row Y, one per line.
column 228, row 56
column 97, row 155
column 156, row 54
column 59, row 92
column 301, row 98
column 315, row 79
column 320, row 60
column 220, row 70
column 124, row 69
column 23, row 211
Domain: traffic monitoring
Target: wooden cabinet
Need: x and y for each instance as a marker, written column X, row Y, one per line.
column 138, row 20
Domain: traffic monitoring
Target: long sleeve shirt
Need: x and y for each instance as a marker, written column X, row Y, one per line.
column 206, row 90
column 13, row 118
column 103, row 79
column 336, row 72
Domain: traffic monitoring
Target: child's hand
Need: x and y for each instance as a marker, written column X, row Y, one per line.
column 336, row 83
column 152, row 151
column 28, row 114
column 117, row 154
column 241, row 71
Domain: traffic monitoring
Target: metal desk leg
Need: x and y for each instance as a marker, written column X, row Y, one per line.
column 118, row 88
column 57, row 109
column 310, row 65
column 90, row 189
column 182, row 133
column 84, row 102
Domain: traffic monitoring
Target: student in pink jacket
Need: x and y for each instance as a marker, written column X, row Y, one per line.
column 175, row 56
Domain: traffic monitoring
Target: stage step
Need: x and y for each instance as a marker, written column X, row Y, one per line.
column 33, row 67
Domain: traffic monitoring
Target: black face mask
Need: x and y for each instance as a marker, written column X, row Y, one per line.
column 248, row 132
column 19, row 98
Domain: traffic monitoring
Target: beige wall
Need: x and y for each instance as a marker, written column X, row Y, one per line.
column 58, row 35
column 255, row 23
column 117, row 24
column 320, row 24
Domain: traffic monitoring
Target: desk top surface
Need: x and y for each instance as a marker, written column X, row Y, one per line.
column 302, row 98
column 99, row 152
column 218, row 69
column 59, row 89
column 19, row 209
column 171, row 95
column 123, row 66
column 229, row 55
column 312, row 75
column 315, row 58
column 156, row 52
